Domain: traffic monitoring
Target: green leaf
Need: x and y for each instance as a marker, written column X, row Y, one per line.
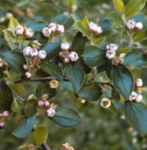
column 66, row 117
column 78, row 43
column 13, row 23
column 119, row 6
column 136, row 114
column 6, row 96
column 52, row 48
column 40, row 135
column 15, row 60
column 90, row 92
column 122, row 80
column 50, row 68
column 75, row 74
column 134, row 7
column 135, row 59
column 93, row 56
column 26, row 128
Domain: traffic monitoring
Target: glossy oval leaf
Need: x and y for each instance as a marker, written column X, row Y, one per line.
column 26, row 127
column 93, row 56
column 66, row 117
column 122, row 80
column 119, row 6
column 90, row 92
column 136, row 114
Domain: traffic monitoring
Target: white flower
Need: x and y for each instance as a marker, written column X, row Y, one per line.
column 27, row 51
column 105, row 103
column 42, row 54
column 131, row 24
column 28, row 75
column 2, row 125
column 110, row 54
column 65, row 46
column 139, row 98
column 40, row 103
column 34, row 52
column 60, row 28
column 52, row 27
column 133, row 96
column 52, row 24
column 46, row 32
column 9, row 15
column 46, row 103
column 139, row 82
column 6, row 113
column 19, row 30
column 73, row 56
column 51, row 112
column 139, row 25
column 95, row 28
column 29, row 33
column 112, row 47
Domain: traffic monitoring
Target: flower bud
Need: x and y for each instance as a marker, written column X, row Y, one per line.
column 73, row 56
column 28, row 75
column 2, row 125
column 19, row 30
column 27, row 51
column 60, row 28
column 51, row 112
column 131, row 24
column 6, row 114
column 139, row 25
column 133, row 96
column 42, row 54
column 112, row 47
column 139, row 82
column 34, row 52
column 65, row 46
column 29, row 33
column 139, row 98
column 40, row 103
column 46, row 32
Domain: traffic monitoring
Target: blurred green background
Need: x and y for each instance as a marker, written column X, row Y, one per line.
column 99, row 129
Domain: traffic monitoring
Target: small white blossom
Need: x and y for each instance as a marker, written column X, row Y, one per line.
column 9, row 15
column 65, row 46
column 131, row 24
column 60, row 28
column 110, row 54
column 139, row 25
column 112, row 47
column 29, row 33
column 139, row 82
column 46, row 103
column 27, row 51
column 19, row 30
column 139, row 98
column 28, row 75
column 52, row 27
column 40, row 103
column 42, row 54
column 52, row 24
column 73, row 56
column 133, row 96
column 6, row 113
column 95, row 28
column 34, row 52
column 46, row 32
column 51, row 112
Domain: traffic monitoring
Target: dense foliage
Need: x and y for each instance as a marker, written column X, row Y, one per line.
column 73, row 72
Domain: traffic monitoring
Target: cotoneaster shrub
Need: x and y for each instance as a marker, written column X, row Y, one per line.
column 76, row 60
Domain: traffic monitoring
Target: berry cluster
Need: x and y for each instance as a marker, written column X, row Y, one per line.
column 24, row 31
column 51, row 29
column 67, row 55
column 93, row 27
column 132, row 25
column 3, row 117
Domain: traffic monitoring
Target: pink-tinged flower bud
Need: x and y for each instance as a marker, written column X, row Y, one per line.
column 131, row 24
column 19, row 30
column 65, row 46
column 46, row 32
column 34, row 52
column 139, row 25
column 42, row 54
column 133, row 96
column 27, row 51
column 40, row 103
column 2, row 125
column 29, row 33
column 60, row 28
column 51, row 112
column 139, row 82
column 139, row 98
column 6, row 114
column 46, row 103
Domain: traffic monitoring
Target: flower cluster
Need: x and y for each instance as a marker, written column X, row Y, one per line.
column 3, row 117
column 111, row 50
column 48, row 107
column 66, row 54
column 93, row 27
column 25, row 31
column 34, row 52
column 52, row 28
column 134, row 26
